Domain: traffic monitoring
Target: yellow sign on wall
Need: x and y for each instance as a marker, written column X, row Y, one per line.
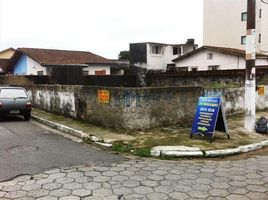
column 261, row 91
column 103, row 96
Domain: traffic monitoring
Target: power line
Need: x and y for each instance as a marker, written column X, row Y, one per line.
column 264, row 1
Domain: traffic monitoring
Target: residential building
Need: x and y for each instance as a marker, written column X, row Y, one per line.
column 216, row 58
column 5, row 56
column 158, row 56
column 31, row 61
column 225, row 24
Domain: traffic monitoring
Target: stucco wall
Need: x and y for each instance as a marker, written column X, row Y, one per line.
column 233, row 99
column 225, row 62
column 33, row 67
column 130, row 108
column 221, row 29
column 139, row 108
column 27, row 66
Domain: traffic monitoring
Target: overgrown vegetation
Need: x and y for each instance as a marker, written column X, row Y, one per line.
column 120, row 147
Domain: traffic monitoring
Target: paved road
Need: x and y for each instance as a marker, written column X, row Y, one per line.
column 30, row 148
column 147, row 179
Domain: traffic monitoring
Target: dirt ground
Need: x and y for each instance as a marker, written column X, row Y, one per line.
column 172, row 135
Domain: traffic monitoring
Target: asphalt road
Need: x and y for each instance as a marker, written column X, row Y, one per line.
column 30, row 148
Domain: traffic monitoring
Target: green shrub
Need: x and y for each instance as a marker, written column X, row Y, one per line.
column 120, row 147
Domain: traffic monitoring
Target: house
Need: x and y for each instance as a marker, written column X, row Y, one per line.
column 158, row 56
column 31, row 61
column 216, row 58
column 119, row 66
column 5, row 56
column 225, row 22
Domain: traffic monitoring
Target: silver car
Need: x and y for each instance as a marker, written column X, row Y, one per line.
column 15, row 101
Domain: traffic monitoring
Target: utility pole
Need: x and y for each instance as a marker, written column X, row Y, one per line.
column 250, row 83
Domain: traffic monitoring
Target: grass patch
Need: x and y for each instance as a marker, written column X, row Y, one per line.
column 120, row 147
column 143, row 152
column 87, row 140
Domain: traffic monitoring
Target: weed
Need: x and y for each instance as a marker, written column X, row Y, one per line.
column 143, row 152
column 87, row 140
column 120, row 147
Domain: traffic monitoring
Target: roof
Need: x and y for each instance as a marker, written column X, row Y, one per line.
column 225, row 50
column 12, row 49
column 4, row 63
column 53, row 57
column 156, row 43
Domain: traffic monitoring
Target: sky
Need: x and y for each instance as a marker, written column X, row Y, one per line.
column 103, row 27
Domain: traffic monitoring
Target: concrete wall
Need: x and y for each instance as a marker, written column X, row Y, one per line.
column 233, row 99
column 129, row 108
column 140, row 108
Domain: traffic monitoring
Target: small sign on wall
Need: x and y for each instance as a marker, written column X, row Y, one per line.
column 261, row 91
column 104, row 96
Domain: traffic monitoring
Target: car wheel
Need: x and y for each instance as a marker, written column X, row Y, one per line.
column 27, row 117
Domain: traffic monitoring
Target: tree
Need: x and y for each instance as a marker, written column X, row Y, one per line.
column 124, row 55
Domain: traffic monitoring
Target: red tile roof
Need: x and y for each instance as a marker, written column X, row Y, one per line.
column 63, row 57
column 4, row 63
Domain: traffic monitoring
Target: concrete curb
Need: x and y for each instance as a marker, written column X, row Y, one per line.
column 169, row 151
column 71, row 131
column 159, row 151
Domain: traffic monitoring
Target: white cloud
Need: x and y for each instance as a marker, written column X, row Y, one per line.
column 104, row 27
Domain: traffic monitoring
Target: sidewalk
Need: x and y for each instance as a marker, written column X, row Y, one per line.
column 168, row 141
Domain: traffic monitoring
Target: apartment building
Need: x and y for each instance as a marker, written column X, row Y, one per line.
column 225, row 24
column 158, row 56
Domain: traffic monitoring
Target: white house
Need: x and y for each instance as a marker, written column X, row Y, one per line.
column 157, row 56
column 225, row 22
column 31, row 61
column 216, row 58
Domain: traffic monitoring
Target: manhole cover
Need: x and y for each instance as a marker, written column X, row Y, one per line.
column 22, row 149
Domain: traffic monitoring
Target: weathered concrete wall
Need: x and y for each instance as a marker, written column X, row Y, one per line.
column 233, row 99
column 131, row 108
column 136, row 108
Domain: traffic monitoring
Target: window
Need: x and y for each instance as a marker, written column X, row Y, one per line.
column 85, row 72
column 175, row 50
column 40, row 73
column 8, row 93
column 259, row 38
column 182, row 69
column 100, row 72
column 213, row 67
column 243, row 40
column 194, row 69
column 244, row 16
column 260, row 13
column 210, row 56
column 156, row 49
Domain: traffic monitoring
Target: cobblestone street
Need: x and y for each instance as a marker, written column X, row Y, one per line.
column 146, row 179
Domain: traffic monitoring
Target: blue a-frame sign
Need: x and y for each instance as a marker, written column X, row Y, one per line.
column 209, row 117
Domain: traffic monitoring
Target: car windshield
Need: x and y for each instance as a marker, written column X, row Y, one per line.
column 8, row 93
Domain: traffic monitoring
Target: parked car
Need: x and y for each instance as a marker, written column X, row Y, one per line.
column 15, row 101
